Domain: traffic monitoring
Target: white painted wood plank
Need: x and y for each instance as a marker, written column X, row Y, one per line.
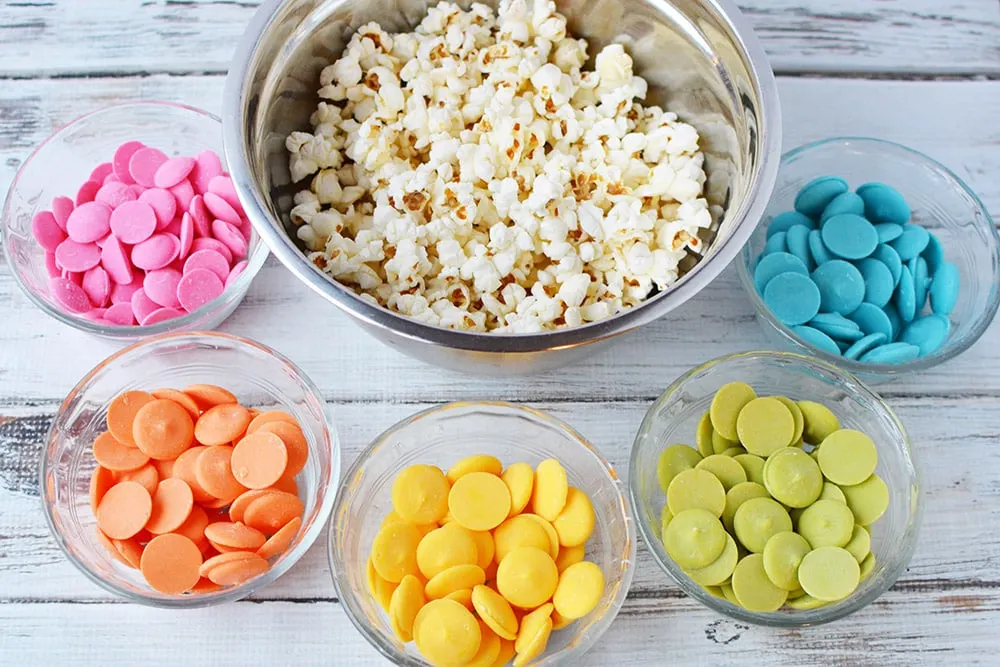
column 70, row 37
column 954, row 440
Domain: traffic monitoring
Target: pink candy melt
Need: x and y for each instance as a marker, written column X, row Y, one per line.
column 147, row 238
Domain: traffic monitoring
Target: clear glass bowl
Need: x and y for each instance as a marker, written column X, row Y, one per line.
column 258, row 375
column 673, row 418
column 440, row 436
column 71, row 153
column 940, row 201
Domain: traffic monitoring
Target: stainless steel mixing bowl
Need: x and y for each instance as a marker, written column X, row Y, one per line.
column 701, row 61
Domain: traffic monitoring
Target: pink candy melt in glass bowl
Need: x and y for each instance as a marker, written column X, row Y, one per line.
column 123, row 224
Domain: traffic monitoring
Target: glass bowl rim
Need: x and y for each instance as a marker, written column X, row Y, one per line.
column 627, row 553
column 851, row 385
column 255, row 260
column 981, row 324
column 226, row 595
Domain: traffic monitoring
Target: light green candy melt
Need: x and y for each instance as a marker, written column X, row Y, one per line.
column 703, row 436
column 738, row 495
column 782, row 555
column 806, row 602
column 753, row 465
column 826, row 523
column 829, row 574
column 819, row 421
column 694, row 539
column 726, row 406
column 673, row 460
column 867, row 566
column 793, row 477
column 727, row 469
column 696, row 489
column 860, row 544
column 757, row 520
column 720, row 444
column 727, row 592
column 665, row 518
column 734, row 451
column 847, row 457
column 797, row 416
column 765, row 425
column 868, row 500
column 719, row 570
column 753, row 588
column 832, row 492
column 714, row 591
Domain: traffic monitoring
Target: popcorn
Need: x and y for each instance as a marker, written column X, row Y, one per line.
column 470, row 175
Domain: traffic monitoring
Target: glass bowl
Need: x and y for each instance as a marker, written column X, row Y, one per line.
column 441, row 436
column 258, row 375
column 673, row 418
column 72, row 153
column 940, row 201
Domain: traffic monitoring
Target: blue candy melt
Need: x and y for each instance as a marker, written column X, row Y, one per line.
column 792, row 297
column 849, row 236
column 890, row 258
column 797, row 242
column 865, row 344
column 888, row 231
column 933, row 254
column 921, row 282
column 884, row 203
column 892, row 353
column 776, row 243
column 911, row 242
column 785, row 221
column 928, row 333
column 894, row 321
column 846, row 202
column 944, row 289
column 836, row 326
column 817, row 250
column 841, row 287
column 906, row 296
column 817, row 339
column 878, row 281
column 775, row 264
column 817, row 194
column 872, row 319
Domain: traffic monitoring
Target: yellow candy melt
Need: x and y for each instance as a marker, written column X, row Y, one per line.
column 534, row 635
column 495, row 611
column 579, row 590
column 519, row 531
column 463, row 597
column 485, row 548
column 475, row 463
column 453, row 579
column 479, row 501
column 550, row 533
column 420, row 494
column 527, row 577
column 404, row 605
column 394, row 551
column 569, row 556
column 380, row 589
column 489, row 648
column 443, row 548
column 520, row 481
column 506, row 653
column 446, row 633
column 551, row 487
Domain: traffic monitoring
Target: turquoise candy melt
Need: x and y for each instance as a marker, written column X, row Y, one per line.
column 895, row 323
column 818, row 251
column 785, row 221
column 906, row 296
column 849, row 236
column 944, row 289
column 775, row 264
column 776, row 243
column 927, row 333
column 884, row 203
column 872, row 319
column 792, row 297
column 891, row 353
column 841, row 287
column 817, row 338
column 797, row 241
column 878, row 281
column 846, row 202
column 890, row 258
column 911, row 242
column 933, row 254
column 921, row 281
column 817, row 195
column 836, row 326
column 865, row 344
column 888, row 231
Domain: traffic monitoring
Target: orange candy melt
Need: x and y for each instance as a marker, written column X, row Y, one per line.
column 174, row 465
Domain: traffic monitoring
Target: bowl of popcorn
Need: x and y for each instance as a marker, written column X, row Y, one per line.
column 500, row 186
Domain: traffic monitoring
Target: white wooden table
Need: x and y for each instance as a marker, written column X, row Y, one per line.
column 922, row 72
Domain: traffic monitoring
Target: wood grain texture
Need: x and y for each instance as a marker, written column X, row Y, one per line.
column 941, row 605
column 74, row 38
